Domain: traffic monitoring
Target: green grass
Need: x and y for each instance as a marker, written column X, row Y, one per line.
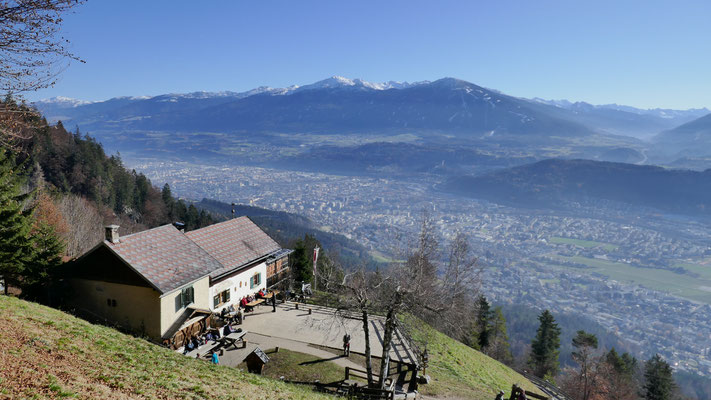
column 582, row 243
column 295, row 366
column 50, row 354
column 683, row 285
column 458, row 370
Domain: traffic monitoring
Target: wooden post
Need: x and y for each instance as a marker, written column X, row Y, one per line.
column 297, row 306
column 309, row 311
column 514, row 392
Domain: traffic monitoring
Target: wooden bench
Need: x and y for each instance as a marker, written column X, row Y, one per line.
column 233, row 338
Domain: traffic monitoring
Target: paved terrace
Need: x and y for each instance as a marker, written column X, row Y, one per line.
column 295, row 330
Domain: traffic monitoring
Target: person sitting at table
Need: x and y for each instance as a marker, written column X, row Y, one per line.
column 196, row 341
column 261, row 294
column 189, row 346
column 231, row 308
column 244, row 305
column 223, row 313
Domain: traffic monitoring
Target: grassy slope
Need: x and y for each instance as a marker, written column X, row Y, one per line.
column 460, row 371
column 296, row 366
column 46, row 353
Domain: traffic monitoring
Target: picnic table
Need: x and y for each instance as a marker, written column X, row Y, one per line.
column 233, row 338
column 270, row 294
column 255, row 302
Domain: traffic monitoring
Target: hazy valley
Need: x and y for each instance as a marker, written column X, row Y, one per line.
column 364, row 160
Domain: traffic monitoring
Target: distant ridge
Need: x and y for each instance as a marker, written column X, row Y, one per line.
column 554, row 183
column 690, row 139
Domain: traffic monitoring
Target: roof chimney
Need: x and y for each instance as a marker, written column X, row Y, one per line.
column 112, row 234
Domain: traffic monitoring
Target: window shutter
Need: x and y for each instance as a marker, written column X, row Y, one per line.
column 227, row 295
column 178, row 302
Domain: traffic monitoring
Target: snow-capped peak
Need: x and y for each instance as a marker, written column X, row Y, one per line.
column 336, row 82
column 62, row 101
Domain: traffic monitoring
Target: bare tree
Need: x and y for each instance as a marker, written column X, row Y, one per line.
column 32, row 55
column 440, row 293
column 360, row 287
column 415, row 287
column 85, row 224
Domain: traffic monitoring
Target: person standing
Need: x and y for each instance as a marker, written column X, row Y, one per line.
column 500, row 396
column 273, row 302
column 347, row 344
column 215, row 359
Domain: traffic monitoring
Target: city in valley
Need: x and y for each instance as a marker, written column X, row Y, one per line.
column 638, row 273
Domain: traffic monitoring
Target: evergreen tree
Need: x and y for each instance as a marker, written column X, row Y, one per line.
column 168, row 200
column 16, row 247
column 619, row 376
column 301, row 263
column 499, row 348
column 482, row 322
column 192, row 219
column 659, row 382
column 545, row 347
column 47, row 257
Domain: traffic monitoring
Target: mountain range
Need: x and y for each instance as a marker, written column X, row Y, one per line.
column 346, row 105
column 445, row 108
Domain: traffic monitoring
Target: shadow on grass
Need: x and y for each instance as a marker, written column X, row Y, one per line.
column 320, row 360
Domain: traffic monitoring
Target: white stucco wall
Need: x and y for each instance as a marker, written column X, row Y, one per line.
column 168, row 314
column 233, row 284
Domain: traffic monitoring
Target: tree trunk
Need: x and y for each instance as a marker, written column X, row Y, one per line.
column 368, row 358
column 387, row 343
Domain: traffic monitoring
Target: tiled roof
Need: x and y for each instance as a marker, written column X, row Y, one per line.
column 165, row 257
column 234, row 243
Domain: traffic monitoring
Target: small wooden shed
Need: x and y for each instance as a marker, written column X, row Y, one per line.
column 256, row 360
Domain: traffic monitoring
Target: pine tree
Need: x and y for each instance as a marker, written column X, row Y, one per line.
column 16, row 247
column 302, row 263
column 499, row 348
column 168, row 200
column 659, row 382
column 482, row 322
column 545, row 347
column 618, row 374
column 47, row 257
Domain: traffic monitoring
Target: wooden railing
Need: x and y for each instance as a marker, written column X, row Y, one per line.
column 364, row 392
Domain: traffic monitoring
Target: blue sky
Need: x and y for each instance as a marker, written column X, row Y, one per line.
column 640, row 53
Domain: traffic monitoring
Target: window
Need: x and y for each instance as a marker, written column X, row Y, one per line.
column 185, row 298
column 256, row 280
column 221, row 298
